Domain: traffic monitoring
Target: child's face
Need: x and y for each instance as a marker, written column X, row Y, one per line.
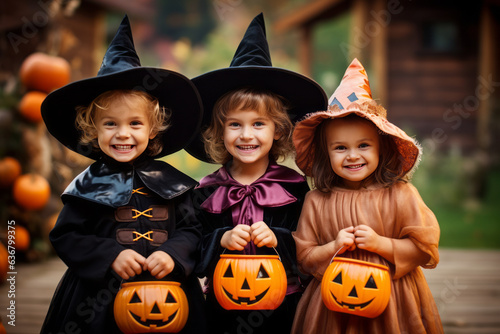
column 124, row 130
column 353, row 148
column 248, row 136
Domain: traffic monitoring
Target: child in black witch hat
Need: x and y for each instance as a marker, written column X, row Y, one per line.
column 251, row 204
column 127, row 216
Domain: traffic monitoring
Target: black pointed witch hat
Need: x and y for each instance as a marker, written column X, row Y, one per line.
column 121, row 69
column 252, row 66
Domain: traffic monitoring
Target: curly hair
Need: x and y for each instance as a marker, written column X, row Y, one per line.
column 157, row 116
column 263, row 101
column 388, row 172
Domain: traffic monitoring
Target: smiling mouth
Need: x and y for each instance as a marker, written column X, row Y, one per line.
column 123, row 147
column 351, row 307
column 245, row 300
column 156, row 323
column 247, row 147
column 354, row 166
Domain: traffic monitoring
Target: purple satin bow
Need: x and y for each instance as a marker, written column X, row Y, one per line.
column 248, row 201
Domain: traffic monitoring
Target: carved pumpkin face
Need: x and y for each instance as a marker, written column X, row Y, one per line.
column 356, row 287
column 151, row 307
column 249, row 282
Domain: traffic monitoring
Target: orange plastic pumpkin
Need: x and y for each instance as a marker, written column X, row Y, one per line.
column 249, row 282
column 42, row 72
column 31, row 104
column 151, row 307
column 356, row 287
column 10, row 169
column 31, row 191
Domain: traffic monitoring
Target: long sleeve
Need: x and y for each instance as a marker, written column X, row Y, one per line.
column 213, row 227
column 417, row 222
column 183, row 243
column 313, row 257
column 283, row 222
column 80, row 243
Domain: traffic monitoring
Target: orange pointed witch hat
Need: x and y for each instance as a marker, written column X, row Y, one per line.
column 353, row 87
column 352, row 96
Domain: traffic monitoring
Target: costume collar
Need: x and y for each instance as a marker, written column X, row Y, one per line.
column 111, row 183
column 274, row 173
column 264, row 192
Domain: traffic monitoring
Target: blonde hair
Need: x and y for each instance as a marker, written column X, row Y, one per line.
column 260, row 100
column 157, row 116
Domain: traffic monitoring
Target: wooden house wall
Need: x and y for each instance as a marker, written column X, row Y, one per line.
column 28, row 26
column 432, row 94
column 82, row 36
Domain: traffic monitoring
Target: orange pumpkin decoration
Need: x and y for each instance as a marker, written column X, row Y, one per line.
column 249, row 282
column 356, row 287
column 151, row 307
column 10, row 169
column 23, row 238
column 45, row 73
column 31, row 191
column 4, row 265
column 31, row 104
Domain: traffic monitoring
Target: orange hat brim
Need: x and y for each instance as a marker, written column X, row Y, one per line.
column 303, row 136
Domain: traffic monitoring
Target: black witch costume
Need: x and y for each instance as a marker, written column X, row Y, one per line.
column 275, row 198
column 145, row 206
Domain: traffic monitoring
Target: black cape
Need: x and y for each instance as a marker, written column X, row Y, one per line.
column 86, row 238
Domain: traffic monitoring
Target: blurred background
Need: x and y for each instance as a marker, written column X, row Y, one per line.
column 432, row 64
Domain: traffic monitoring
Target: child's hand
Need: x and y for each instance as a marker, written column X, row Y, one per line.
column 262, row 235
column 345, row 239
column 237, row 238
column 366, row 238
column 159, row 264
column 128, row 263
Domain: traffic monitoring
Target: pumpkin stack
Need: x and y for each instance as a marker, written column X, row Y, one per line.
column 27, row 155
column 40, row 74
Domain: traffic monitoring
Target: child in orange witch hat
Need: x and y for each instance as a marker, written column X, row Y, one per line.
column 363, row 208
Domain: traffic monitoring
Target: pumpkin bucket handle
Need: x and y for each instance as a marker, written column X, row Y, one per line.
column 279, row 257
column 334, row 255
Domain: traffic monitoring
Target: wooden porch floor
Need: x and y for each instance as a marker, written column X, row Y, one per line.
column 465, row 285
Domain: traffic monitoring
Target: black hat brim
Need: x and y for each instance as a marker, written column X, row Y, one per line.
column 173, row 91
column 303, row 94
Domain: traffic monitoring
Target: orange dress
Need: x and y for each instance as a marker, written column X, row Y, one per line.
column 396, row 212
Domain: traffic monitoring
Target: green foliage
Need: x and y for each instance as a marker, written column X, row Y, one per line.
column 189, row 165
column 441, row 179
column 443, row 182
column 181, row 19
column 329, row 60
column 10, row 123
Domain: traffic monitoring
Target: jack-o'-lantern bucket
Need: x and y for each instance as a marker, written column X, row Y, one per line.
column 356, row 287
column 249, row 282
column 151, row 307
